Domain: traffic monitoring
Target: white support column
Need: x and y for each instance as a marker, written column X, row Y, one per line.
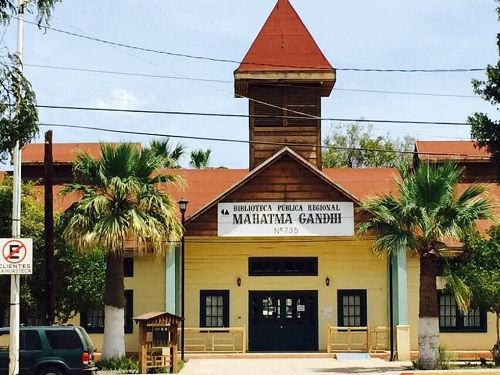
column 400, row 290
column 403, row 342
column 170, row 281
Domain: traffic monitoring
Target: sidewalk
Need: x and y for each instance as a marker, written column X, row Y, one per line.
column 290, row 366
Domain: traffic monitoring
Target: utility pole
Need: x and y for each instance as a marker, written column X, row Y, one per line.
column 49, row 230
column 15, row 280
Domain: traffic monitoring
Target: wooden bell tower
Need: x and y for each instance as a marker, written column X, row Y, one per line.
column 284, row 75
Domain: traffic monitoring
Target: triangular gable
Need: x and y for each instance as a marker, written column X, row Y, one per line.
column 294, row 162
column 284, row 44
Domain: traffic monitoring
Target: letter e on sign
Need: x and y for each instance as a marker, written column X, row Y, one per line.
column 16, row 256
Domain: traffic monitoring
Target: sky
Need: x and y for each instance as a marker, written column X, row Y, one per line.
column 384, row 34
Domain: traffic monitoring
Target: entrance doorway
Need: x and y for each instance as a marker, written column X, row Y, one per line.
column 283, row 320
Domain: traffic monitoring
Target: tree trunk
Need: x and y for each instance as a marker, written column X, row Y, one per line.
column 428, row 326
column 114, row 307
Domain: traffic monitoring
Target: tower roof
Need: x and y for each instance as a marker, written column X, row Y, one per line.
column 285, row 50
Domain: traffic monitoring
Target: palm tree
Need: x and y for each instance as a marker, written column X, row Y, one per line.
column 200, row 159
column 120, row 200
column 170, row 155
column 427, row 213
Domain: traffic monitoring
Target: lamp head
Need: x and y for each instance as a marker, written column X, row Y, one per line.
column 182, row 205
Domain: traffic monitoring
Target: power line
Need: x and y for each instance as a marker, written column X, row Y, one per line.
column 207, row 114
column 229, row 140
column 161, row 76
column 213, row 59
column 408, row 93
column 128, row 73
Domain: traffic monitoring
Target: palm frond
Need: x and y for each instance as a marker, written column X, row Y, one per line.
column 459, row 289
column 426, row 212
column 121, row 200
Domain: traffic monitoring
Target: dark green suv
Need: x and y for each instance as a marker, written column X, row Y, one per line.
column 54, row 350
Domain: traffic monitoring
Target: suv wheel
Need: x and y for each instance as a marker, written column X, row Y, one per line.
column 50, row 371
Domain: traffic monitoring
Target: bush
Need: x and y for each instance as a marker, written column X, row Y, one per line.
column 159, row 370
column 119, row 363
column 445, row 359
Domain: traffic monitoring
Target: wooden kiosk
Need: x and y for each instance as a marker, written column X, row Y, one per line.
column 158, row 341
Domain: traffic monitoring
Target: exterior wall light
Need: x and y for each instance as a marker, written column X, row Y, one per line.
column 327, row 281
column 238, row 281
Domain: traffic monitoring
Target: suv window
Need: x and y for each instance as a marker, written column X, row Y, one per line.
column 29, row 340
column 63, row 339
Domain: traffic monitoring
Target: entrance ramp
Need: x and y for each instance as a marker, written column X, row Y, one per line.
column 352, row 356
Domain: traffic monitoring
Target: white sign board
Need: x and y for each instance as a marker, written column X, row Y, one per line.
column 16, row 257
column 275, row 219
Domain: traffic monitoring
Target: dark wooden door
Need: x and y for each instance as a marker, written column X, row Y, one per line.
column 283, row 320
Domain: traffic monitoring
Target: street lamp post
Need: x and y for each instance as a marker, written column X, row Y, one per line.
column 182, row 207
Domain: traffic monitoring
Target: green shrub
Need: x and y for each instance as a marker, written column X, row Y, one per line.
column 119, row 363
column 445, row 359
column 159, row 370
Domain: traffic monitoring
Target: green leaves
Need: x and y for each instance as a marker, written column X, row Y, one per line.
column 18, row 114
column 170, row 154
column 487, row 133
column 44, row 8
column 200, row 159
column 355, row 146
column 427, row 212
column 121, row 201
column 479, row 268
column 79, row 279
column 484, row 130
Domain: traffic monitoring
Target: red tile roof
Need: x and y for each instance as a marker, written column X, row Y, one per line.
column 451, row 150
column 62, row 153
column 201, row 186
column 284, row 44
column 198, row 186
column 364, row 183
